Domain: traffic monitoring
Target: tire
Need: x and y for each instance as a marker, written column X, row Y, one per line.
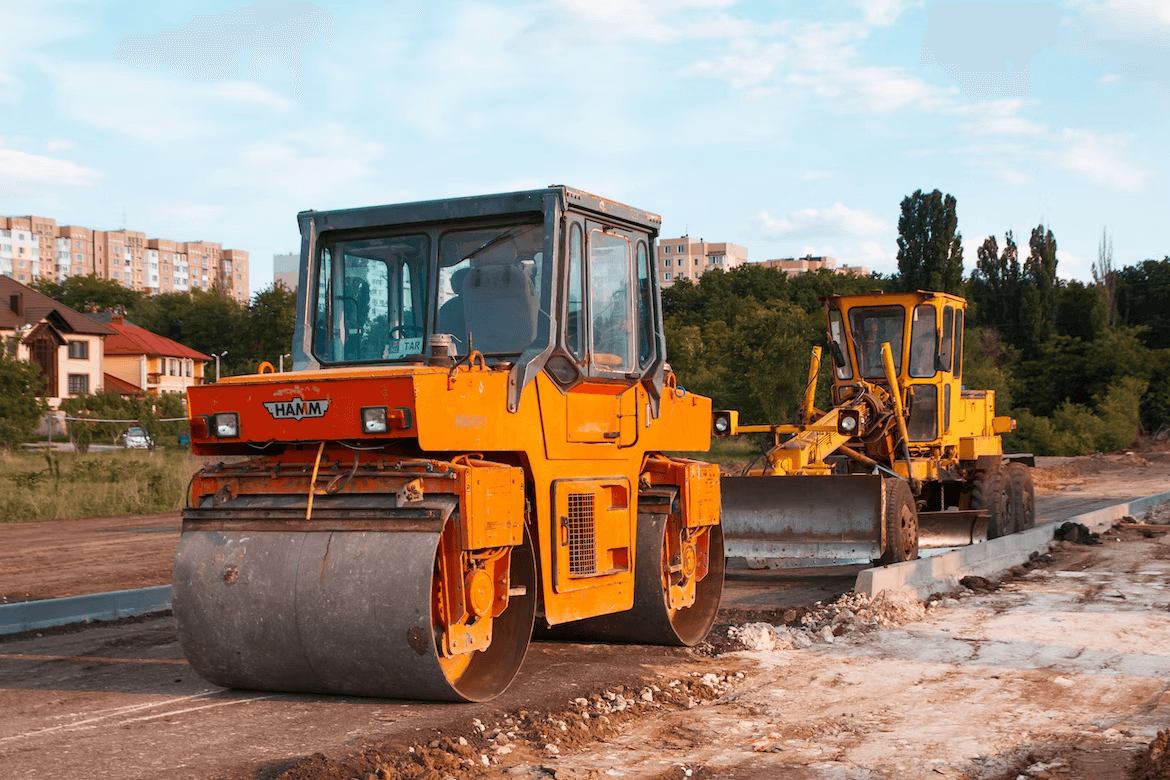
column 1021, row 497
column 900, row 523
column 989, row 491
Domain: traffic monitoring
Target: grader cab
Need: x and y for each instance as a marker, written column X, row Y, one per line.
column 471, row 441
column 905, row 457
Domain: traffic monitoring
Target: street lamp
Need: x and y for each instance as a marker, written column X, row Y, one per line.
column 282, row 357
column 217, row 357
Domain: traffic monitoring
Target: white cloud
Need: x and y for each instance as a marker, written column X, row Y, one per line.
column 836, row 220
column 1100, row 158
column 153, row 106
column 816, row 175
column 1070, row 266
column 883, row 13
column 36, row 170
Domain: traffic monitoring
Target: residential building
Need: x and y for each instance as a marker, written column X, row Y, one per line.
column 795, row 266
column 686, row 258
column 286, row 269
column 20, row 249
column 36, row 247
column 67, row 345
column 148, row 362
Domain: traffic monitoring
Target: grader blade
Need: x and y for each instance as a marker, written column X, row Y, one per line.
column 803, row 521
column 937, row 530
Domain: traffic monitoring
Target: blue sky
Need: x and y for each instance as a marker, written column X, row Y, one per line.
column 787, row 127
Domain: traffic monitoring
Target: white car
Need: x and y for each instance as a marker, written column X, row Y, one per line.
column 137, row 439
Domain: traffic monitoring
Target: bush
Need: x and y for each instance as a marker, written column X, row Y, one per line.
column 1075, row 429
column 20, row 407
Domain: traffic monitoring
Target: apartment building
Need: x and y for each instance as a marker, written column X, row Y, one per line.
column 286, row 269
column 795, row 266
column 36, row 247
column 687, row 258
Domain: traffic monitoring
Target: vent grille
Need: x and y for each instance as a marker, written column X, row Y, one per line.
column 582, row 542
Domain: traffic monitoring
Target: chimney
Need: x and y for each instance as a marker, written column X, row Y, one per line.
column 118, row 319
column 16, row 302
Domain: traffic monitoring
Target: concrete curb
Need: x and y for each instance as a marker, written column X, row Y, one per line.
column 942, row 572
column 47, row 613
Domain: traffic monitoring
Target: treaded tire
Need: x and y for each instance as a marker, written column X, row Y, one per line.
column 1021, row 497
column 900, row 520
column 989, row 491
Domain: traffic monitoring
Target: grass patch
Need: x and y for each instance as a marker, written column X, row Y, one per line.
column 72, row 485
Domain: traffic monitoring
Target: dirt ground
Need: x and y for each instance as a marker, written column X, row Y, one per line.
column 1059, row 670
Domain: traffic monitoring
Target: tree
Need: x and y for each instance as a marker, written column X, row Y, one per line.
column 271, row 319
column 995, row 286
column 1105, row 277
column 1038, row 311
column 1142, row 293
column 89, row 293
column 930, row 248
column 21, row 406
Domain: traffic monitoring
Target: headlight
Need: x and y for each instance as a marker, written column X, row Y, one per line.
column 227, row 425
column 725, row 423
column 374, row 419
column 848, row 421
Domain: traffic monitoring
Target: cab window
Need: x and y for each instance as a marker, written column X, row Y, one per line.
column 872, row 326
column 611, row 328
column 923, row 341
column 645, row 308
column 369, row 299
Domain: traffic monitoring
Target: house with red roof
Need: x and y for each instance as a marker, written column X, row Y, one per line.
column 66, row 344
column 153, row 363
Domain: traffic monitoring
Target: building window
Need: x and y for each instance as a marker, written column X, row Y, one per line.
column 118, row 275
column 190, row 364
column 79, row 350
column 666, row 250
column 680, row 249
column 666, row 276
column 78, row 384
column 666, row 262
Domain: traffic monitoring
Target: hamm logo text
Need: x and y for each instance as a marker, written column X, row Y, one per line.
column 297, row 408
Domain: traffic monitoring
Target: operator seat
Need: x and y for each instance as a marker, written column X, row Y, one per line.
column 500, row 307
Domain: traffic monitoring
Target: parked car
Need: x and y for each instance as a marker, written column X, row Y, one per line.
column 137, row 438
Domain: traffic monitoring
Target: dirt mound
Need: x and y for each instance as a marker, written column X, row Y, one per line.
column 1154, row 763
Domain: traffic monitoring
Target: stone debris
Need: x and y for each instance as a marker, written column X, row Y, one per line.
column 825, row 623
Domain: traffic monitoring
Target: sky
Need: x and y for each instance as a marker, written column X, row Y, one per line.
column 790, row 128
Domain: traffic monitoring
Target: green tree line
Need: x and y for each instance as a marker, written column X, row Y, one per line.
column 1082, row 367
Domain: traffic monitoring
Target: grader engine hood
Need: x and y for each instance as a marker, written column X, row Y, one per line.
column 239, row 416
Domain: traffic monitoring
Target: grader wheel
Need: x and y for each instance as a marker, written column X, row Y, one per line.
column 900, row 520
column 989, row 491
column 1021, row 497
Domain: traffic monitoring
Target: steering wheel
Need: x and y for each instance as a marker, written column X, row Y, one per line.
column 405, row 332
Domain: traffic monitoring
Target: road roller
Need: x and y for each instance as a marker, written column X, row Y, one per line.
column 471, row 444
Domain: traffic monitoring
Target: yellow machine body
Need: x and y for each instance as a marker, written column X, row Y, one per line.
column 403, row 506
column 899, row 408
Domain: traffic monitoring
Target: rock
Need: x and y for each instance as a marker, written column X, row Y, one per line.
column 826, row 634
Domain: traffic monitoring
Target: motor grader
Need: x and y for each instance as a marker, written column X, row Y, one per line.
column 471, row 442
column 905, row 457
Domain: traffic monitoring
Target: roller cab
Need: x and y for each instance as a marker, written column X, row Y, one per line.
column 470, row 445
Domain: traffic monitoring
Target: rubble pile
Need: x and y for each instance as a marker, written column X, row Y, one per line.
column 852, row 612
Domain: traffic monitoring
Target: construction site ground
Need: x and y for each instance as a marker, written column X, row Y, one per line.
column 1058, row 669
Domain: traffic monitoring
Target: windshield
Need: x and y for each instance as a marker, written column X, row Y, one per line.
column 490, row 285
column 872, row 326
column 370, row 299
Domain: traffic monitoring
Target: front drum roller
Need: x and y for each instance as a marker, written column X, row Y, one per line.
column 344, row 612
column 664, row 563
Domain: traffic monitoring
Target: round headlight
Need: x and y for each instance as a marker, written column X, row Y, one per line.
column 848, row 424
column 722, row 424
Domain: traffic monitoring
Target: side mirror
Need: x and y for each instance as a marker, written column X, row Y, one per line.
column 838, row 355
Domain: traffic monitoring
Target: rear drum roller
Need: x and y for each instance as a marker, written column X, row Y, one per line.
column 341, row 612
column 664, row 562
column 1021, row 497
column 900, row 522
